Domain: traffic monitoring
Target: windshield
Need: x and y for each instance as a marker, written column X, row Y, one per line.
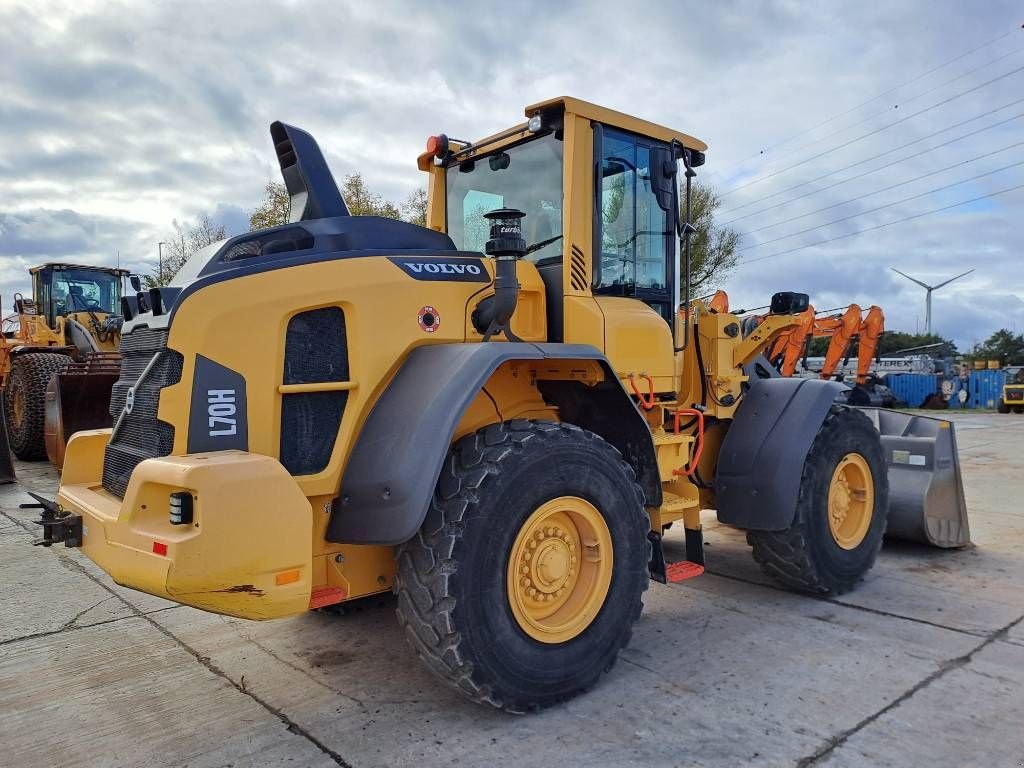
column 528, row 177
column 85, row 290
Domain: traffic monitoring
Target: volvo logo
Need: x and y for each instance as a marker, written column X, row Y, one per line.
column 460, row 270
column 129, row 401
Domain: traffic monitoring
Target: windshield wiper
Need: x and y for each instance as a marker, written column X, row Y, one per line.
column 543, row 243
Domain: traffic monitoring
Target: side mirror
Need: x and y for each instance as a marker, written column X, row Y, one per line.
column 663, row 178
column 136, row 282
column 789, row 303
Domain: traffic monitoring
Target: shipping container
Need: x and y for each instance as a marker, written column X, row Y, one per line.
column 985, row 388
column 913, row 388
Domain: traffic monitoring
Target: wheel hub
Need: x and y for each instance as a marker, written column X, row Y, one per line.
column 553, row 595
column 851, row 501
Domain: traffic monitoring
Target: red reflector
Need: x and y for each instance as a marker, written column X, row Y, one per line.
column 322, row 596
column 159, row 548
column 681, row 571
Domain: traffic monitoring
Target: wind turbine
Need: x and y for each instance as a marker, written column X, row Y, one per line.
column 928, row 298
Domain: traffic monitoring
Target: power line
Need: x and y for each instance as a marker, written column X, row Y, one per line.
column 887, row 189
column 887, row 111
column 880, row 95
column 875, row 131
column 886, row 224
column 875, row 157
column 882, row 208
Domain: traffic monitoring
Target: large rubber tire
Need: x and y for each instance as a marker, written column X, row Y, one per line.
column 26, row 382
column 451, row 582
column 1002, row 407
column 806, row 556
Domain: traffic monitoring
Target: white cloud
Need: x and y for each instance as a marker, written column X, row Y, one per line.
column 118, row 118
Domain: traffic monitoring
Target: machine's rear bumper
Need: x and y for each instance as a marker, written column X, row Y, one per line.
column 246, row 551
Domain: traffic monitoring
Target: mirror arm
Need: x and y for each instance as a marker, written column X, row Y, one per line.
column 686, row 229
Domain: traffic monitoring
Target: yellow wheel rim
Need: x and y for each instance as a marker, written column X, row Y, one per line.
column 851, row 501
column 559, row 569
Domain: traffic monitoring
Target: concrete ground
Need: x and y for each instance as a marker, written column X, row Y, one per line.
column 922, row 665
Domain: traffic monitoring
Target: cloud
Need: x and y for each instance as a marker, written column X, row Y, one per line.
column 118, row 118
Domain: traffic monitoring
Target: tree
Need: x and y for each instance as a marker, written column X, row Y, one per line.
column 896, row 344
column 362, row 202
column 186, row 240
column 1003, row 345
column 273, row 211
column 712, row 246
column 415, row 207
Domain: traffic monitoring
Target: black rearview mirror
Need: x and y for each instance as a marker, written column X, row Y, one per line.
column 136, row 282
column 663, row 177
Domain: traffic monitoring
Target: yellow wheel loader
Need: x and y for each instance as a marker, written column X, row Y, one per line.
column 496, row 415
column 59, row 358
column 1012, row 396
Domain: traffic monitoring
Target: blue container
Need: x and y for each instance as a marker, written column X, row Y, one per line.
column 913, row 388
column 984, row 389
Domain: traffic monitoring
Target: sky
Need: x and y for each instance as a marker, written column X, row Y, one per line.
column 851, row 123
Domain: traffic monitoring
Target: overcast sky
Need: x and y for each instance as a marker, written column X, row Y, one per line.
column 116, row 119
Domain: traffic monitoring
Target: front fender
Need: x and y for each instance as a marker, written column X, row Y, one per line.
column 394, row 465
column 762, row 457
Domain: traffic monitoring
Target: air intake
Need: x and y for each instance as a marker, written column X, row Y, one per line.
column 312, row 190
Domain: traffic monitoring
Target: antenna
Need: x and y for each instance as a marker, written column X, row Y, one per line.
column 928, row 295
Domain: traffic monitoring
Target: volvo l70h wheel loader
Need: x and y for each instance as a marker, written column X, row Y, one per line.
column 496, row 415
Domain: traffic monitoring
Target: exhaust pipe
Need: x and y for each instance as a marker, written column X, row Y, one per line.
column 311, row 188
column 494, row 314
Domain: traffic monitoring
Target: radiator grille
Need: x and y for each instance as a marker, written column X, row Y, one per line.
column 140, row 435
column 316, row 352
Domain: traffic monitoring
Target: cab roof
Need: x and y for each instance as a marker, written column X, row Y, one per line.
column 93, row 267
column 588, row 111
column 618, row 119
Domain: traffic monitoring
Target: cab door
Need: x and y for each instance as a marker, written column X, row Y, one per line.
column 634, row 253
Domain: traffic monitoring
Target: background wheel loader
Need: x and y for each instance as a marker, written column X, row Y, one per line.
column 59, row 357
column 496, row 415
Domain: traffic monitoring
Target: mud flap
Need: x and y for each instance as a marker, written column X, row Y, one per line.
column 926, row 491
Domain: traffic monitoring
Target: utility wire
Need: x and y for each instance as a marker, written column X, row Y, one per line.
column 886, row 224
column 882, row 207
column 875, row 157
column 911, row 81
column 875, row 131
column 887, row 189
column 889, row 110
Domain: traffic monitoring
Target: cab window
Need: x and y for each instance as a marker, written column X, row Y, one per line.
column 528, row 177
column 633, row 234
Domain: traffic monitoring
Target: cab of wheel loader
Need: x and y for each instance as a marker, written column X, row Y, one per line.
column 600, row 191
column 63, row 289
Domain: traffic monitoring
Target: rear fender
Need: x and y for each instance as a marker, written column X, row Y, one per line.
column 397, row 458
column 762, row 457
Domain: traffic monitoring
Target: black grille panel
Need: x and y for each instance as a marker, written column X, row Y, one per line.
column 316, row 352
column 140, row 435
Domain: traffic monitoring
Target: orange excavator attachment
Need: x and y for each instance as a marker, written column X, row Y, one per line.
column 796, row 340
column 870, row 332
column 719, row 302
column 842, row 329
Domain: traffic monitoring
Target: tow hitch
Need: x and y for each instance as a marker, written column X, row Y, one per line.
column 58, row 525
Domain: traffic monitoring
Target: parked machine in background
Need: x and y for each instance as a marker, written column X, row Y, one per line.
column 496, row 415
column 59, row 357
column 1013, row 390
